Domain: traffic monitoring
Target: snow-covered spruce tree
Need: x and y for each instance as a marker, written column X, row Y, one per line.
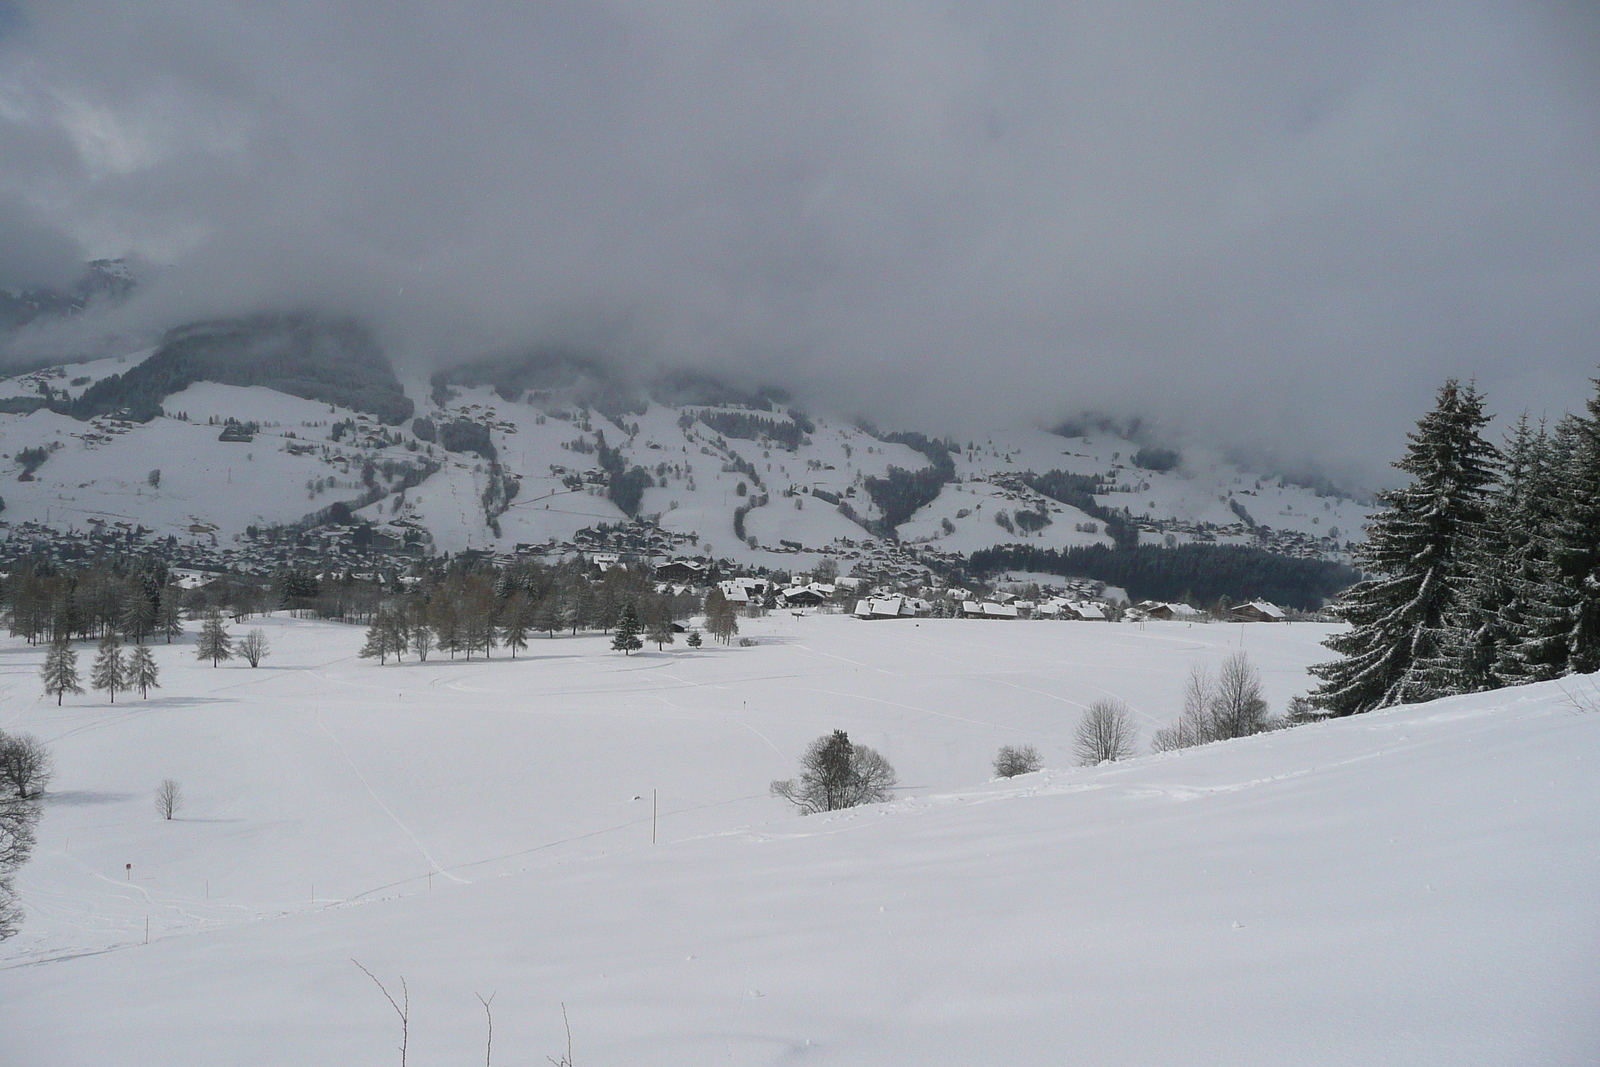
column 627, row 640
column 1570, row 620
column 1415, row 549
column 110, row 672
column 214, row 643
column 143, row 674
column 60, row 671
column 1507, row 568
column 1536, row 618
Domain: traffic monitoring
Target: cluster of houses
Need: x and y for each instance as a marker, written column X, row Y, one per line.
column 746, row 591
column 1254, row 611
column 1006, row 606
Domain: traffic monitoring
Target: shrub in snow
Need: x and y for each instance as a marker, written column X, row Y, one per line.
column 1013, row 760
column 254, row 647
column 1106, row 732
column 169, row 798
column 836, row 774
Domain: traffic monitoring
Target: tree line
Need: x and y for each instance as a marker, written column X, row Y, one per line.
column 469, row 613
column 1485, row 566
column 1198, row 574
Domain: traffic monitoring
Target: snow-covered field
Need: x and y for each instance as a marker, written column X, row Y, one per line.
column 1411, row 887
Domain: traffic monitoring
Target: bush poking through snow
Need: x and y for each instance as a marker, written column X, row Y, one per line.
column 837, row 774
column 254, row 648
column 169, row 798
column 1583, row 698
column 1013, row 760
column 1106, row 732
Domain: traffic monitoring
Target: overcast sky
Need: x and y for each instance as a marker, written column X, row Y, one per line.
column 1278, row 224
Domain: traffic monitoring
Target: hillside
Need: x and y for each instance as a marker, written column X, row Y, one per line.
column 1413, row 886
column 530, row 456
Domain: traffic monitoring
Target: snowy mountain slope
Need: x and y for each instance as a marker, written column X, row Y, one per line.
column 544, row 444
column 1413, row 886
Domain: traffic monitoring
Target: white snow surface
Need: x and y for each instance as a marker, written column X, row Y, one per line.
column 1415, row 886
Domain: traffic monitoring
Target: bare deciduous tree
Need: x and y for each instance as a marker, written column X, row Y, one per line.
column 254, row 648
column 1230, row 705
column 1238, row 708
column 1013, row 760
column 1106, row 732
column 1194, row 726
column 837, row 774
column 169, row 798
column 26, row 766
column 17, row 820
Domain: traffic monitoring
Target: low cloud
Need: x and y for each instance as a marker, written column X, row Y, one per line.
column 1279, row 226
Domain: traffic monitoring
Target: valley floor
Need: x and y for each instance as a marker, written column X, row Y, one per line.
column 1410, row 887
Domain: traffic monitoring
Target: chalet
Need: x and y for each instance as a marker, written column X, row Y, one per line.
column 806, row 596
column 890, row 607
column 1152, row 609
column 682, row 571
column 972, row 609
column 1256, row 611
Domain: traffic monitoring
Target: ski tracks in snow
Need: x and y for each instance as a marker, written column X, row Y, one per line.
column 379, row 801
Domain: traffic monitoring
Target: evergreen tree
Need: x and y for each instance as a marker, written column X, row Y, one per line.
column 214, row 643
column 380, row 640
column 142, row 671
column 60, row 671
column 547, row 616
column 1575, row 542
column 139, row 615
column 660, row 629
column 627, row 640
column 109, row 673
column 446, row 621
column 1535, row 616
column 514, row 622
column 169, row 612
column 1393, row 653
column 693, row 639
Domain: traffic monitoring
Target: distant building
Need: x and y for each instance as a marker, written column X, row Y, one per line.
column 682, row 571
column 1256, row 611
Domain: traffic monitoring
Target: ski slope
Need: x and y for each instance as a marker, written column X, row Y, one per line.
column 1415, row 886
